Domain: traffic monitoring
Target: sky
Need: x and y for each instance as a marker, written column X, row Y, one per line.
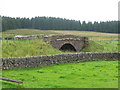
column 83, row 10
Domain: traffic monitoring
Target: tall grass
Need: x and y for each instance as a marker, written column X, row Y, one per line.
column 102, row 46
column 35, row 47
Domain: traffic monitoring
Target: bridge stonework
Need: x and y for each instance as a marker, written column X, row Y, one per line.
column 61, row 42
column 58, row 41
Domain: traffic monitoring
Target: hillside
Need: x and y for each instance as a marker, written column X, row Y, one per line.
column 90, row 34
column 99, row 42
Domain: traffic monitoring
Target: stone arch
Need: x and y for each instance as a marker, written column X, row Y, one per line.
column 67, row 47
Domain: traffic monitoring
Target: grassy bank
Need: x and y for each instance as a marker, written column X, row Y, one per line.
column 94, row 74
column 102, row 46
column 38, row 47
column 21, row 48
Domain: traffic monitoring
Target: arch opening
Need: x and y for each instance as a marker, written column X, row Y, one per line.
column 68, row 47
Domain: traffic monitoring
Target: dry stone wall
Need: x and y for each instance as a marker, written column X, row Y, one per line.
column 36, row 61
column 28, row 37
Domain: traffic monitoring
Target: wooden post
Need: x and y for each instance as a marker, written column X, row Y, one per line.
column 11, row 80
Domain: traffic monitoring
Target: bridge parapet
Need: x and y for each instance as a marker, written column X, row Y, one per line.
column 55, row 37
column 68, row 39
column 71, row 41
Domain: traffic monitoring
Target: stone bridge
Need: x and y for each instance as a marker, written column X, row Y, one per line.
column 60, row 42
column 67, row 42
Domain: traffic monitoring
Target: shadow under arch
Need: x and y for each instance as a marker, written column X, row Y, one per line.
column 68, row 47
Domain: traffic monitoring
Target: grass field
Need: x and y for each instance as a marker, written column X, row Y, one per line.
column 102, row 42
column 26, row 32
column 91, row 35
column 94, row 74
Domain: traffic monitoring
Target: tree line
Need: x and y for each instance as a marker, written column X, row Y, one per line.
column 52, row 23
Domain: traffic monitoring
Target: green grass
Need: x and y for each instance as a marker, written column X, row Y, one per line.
column 26, row 32
column 102, row 46
column 38, row 47
column 21, row 48
column 94, row 74
column 90, row 34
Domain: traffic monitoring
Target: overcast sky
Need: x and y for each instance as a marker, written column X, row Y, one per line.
column 88, row 10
